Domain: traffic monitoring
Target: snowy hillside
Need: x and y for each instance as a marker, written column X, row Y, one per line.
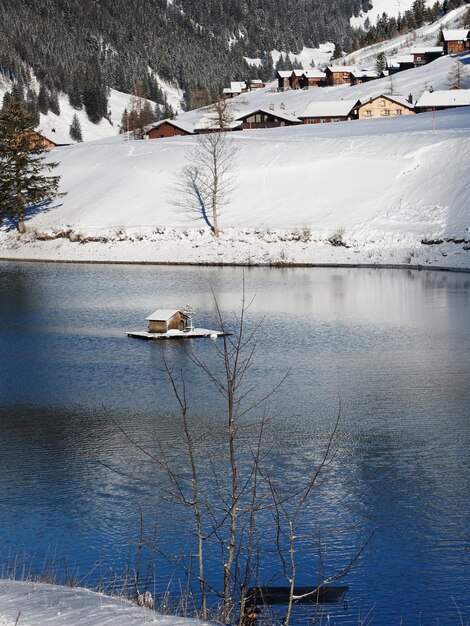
column 391, row 7
column 382, row 186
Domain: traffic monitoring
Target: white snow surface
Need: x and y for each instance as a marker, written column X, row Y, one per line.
column 391, row 7
column 39, row 604
column 383, row 184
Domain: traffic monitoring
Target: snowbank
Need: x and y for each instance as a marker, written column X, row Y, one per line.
column 38, row 604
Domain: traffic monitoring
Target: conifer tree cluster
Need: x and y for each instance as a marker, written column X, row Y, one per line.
column 387, row 27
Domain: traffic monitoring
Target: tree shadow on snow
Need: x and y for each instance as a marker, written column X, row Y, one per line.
column 11, row 223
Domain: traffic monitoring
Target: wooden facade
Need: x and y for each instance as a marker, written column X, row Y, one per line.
column 338, row 75
column 423, row 56
column 283, row 80
column 161, row 321
column 456, row 41
column 262, row 118
column 312, row 78
column 167, row 128
column 385, row 106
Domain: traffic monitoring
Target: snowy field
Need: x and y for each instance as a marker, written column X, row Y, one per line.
column 380, row 187
column 38, row 604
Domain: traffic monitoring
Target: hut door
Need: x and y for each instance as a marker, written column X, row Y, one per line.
column 181, row 325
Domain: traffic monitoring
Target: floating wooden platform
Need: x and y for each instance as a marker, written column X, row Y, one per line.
column 311, row 595
column 178, row 334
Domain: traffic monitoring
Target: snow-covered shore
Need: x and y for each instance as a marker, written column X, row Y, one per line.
column 37, row 604
column 386, row 192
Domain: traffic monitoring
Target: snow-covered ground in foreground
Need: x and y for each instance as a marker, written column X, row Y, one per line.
column 38, row 604
column 382, row 185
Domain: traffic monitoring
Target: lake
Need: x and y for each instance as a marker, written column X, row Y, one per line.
column 82, row 408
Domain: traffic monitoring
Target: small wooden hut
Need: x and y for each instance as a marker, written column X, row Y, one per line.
column 163, row 320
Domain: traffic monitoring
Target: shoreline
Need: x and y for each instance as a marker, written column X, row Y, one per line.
column 287, row 265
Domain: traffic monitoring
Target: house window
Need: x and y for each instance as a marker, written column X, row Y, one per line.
column 398, row 112
column 368, row 113
column 386, row 112
column 382, row 103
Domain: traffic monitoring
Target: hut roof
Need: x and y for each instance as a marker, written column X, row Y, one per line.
column 397, row 99
column 186, row 127
column 163, row 315
column 445, row 98
column 455, row 34
column 283, row 115
column 329, row 108
column 314, row 74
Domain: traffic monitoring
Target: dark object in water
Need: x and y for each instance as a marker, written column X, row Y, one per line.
column 280, row 595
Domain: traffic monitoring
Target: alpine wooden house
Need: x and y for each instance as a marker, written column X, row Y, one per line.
column 322, row 112
column 267, row 118
column 456, row 40
column 169, row 128
column 339, row 74
column 385, row 105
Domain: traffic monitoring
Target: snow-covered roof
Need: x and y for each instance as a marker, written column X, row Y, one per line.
column 314, row 74
column 298, row 72
column 398, row 99
column 429, row 49
column 256, row 81
column 404, row 58
column 364, row 73
column 284, row 73
column 455, row 34
column 187, row 127
column 162, row 315
column 51, row 135
column 329, row 108
column 281, row 114
column 445, row 98
column 341, row 68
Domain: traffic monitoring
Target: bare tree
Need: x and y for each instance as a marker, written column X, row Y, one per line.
column 457, row 74
column 205, row 184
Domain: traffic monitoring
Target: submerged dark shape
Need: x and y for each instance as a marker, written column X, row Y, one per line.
column 308, row 595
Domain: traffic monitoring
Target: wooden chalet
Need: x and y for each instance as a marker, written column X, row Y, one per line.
column 235, row 89
column 385, row 105
column 362, row 76
column 168, row 128
column 296, row 79
column 322, row 112
column 423, row 56
column 256, row 83
column 267, row 118
column 163, row 320
column 283, row 80
column 312, row 78
column 46, row 139
column 456, row 40
column 445, row 99
column 339, row 74
column 212, row 124
column 400, row 63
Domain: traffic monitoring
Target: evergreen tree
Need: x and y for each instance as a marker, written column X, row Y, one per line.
column 22, row 178
column 54, row 102
column 43, row 100
column 75, row 129
column 381, row 63
column 32, row 105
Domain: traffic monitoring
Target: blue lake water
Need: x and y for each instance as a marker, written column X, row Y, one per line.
column 392, row 347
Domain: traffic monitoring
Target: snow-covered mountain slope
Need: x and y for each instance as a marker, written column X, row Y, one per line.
column 118, row 101
column 391, row 7
column 384, row 185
